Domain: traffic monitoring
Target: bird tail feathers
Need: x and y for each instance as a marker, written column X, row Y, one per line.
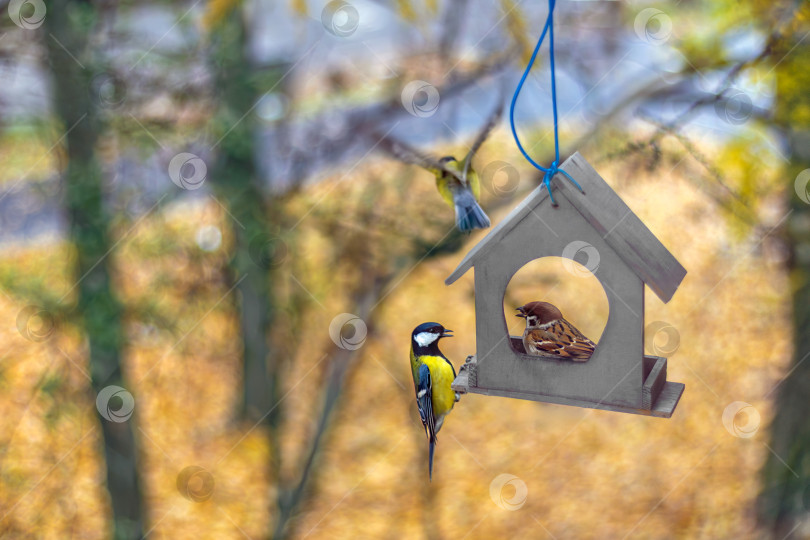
column 469, row 214
column 430, row 458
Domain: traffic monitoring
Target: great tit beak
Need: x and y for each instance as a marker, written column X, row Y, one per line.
column 447, row 333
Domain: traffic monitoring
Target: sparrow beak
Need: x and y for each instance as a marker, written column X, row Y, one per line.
column 447, row 333
column 521, row 314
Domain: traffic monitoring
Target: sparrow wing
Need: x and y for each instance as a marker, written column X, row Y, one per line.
column 542, row 342
column 424, row 400
column 561, row 338
column 483, row 134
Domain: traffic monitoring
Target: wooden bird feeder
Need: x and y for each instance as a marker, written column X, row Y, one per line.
column 618, row 376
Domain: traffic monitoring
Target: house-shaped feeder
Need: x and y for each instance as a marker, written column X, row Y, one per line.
column 618, row 376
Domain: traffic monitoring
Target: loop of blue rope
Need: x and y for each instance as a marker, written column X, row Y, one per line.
column 550, row 171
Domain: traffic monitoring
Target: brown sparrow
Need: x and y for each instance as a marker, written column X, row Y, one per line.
column 549, row 334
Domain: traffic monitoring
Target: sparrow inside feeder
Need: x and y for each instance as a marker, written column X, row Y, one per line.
column 549, row 333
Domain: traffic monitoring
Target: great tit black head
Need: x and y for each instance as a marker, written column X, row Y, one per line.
column 429, row 333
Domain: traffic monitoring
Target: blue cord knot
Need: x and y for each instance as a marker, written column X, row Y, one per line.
column 549, row 173
column 553, row 169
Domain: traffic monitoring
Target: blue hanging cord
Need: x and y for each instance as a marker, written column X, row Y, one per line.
column 551, row 170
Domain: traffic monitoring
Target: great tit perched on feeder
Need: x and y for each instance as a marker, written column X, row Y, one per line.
column 432, row 376
column 457, row 182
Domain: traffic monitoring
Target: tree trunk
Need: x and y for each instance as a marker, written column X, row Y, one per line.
column 69, row 24
column 784, row 503
column 256, row 251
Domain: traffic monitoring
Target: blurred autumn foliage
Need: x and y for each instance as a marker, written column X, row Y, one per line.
column 339, row 451
column 585, row 470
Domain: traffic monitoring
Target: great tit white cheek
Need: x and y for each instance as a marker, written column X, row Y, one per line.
column 425, row 338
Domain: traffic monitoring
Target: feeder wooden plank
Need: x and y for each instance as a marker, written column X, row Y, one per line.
column 461, row 383
column 621, row 228
column 648, row 364
column 654, row 383
column 663, row 406
column 668, row 399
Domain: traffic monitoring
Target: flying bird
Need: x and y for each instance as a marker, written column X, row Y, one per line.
column 457, row 182
column 461, row 194
column 432, row 376
column 548, row 333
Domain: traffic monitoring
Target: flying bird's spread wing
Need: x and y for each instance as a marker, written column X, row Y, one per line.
column 407, row 154
column 483, row 134
column 561, row 338
column 425, row 402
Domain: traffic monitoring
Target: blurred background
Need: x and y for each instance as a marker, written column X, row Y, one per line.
column 210, row 272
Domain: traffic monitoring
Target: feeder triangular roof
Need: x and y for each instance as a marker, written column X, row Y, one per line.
column 609, row 215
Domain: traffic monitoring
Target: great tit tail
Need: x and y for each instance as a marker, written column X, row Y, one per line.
column 432, row 445
column 469, row 214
